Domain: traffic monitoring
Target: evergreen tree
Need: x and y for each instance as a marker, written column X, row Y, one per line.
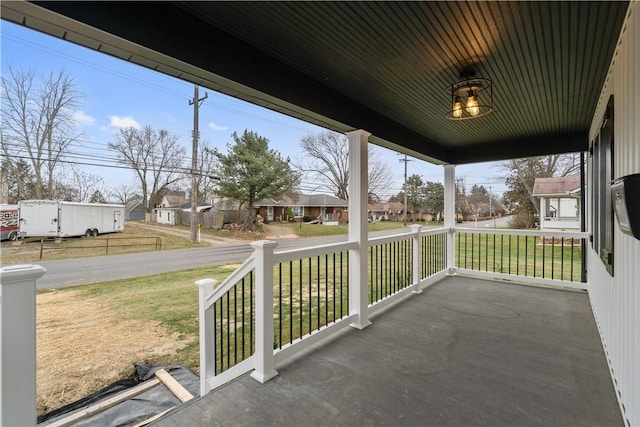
column 250, row 171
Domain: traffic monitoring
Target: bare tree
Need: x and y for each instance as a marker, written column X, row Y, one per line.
column 122, row 194
column 37, row 121
column 155, row 157
column 327, row 161
column 207, row 176
column 85, row 184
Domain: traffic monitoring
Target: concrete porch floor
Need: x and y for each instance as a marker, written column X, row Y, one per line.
column 465, row 352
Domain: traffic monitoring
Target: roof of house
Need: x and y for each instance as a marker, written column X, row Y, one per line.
column 386, row 207
column 321, row 200
column 556, row 186
column 175, row 200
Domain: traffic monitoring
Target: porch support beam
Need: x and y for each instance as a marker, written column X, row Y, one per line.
column 358, row 198
column 450, row 213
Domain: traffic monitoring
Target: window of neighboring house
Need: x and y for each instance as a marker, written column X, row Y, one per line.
column 169, row 216
column 601, row 177
column 298, row 211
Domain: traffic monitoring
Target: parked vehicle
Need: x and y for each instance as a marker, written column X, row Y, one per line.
column 54, row 218
column 8, row 222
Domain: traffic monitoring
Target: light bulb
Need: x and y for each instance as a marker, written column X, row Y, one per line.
column 457, row 108
column 472, row 104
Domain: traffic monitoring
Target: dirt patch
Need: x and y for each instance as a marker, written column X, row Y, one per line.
column 277, row 232
column 82, row 346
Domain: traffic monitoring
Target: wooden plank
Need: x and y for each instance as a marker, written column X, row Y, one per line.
column 106, row 404
column 153, row 418
column 176, row 388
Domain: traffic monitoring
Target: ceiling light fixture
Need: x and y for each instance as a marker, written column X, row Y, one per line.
column 466, row 102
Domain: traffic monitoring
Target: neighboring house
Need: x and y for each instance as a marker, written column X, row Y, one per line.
column 559, row 199
column 172, row 203
column 389, row 211
column 134, row 210
column 323, row 207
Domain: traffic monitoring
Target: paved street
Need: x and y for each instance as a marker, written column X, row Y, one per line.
column 81, row 271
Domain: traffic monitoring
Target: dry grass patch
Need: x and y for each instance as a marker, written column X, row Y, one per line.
column 84, row 345
column 90, row 336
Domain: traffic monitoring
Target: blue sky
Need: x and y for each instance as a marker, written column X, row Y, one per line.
column 116, row 93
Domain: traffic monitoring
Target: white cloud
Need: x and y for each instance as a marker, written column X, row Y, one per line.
column 124, row 122
column 81, row 118
column 214, row 126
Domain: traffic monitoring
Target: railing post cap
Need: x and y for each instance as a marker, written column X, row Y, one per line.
column 20, row 273
column 205, row 282
column 264, row 244
column 415, row 227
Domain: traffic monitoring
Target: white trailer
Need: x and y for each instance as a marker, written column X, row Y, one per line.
column 54, row 218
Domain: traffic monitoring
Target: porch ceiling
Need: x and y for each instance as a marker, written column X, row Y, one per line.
column 378, row 66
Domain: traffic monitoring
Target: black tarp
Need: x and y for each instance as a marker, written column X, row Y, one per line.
column 137, row 408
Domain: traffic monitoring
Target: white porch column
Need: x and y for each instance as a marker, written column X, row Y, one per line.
column 18, row 344
column 265, row 260
column 450, row 213
column 358, row 197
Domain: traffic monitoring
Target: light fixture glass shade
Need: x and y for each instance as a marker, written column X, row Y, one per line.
column 472, row 107
column 456, row 111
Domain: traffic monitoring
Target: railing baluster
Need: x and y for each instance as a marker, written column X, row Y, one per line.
column 562, row 258
column 244, row 355
column 486, row 252
column 319, row 300
column 517, row 255
column 235, row 325
column 535, row 251
column 300, row 299
column 526, row 256
column 572, row 247
column 310, row 296
column 280, row 305
column 509, row 253
column 334, row 286
column 472, row 249
column 251, row 304
column 544, row 255
column 326, row 289
column 494, row 253
column 290, row 302
column 502, row 253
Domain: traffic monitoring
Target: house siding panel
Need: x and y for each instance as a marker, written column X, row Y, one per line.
column 616, row 300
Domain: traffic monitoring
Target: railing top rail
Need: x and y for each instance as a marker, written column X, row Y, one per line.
column 433, row 231
column 230, row 281
column 538, row 233
column 405, row 234
column 293, row 254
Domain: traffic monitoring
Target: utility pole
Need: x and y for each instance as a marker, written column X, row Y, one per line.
column 196, row 102
column 404, row 186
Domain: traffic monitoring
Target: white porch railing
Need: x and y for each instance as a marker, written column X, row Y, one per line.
column 278, row 303
column 540, row 257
